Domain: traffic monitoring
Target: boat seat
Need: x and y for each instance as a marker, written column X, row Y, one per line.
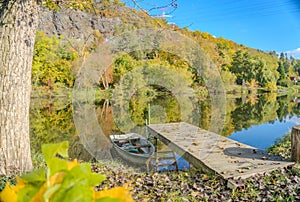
column 137, row 147
column 120, row 142
column 126, row 139
column 134, row 138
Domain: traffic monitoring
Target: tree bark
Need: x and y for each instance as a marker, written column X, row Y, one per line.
column 18, row 24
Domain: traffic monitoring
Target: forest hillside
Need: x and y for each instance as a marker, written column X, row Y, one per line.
column 71, row 35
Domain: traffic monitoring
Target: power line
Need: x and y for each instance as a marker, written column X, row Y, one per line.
column 249, row 11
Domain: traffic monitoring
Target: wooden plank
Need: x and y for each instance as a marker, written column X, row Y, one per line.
column 295, row 152
column 214, row 153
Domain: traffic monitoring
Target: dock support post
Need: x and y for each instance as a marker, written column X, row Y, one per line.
column 295, row 150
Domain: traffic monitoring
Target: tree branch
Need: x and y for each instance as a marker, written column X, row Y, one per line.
column 172, row 4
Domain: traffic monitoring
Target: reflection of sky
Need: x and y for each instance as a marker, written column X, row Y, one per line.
column 181, row 163
column 264, row 135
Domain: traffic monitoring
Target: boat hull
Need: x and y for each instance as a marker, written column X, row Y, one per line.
column 136, row 158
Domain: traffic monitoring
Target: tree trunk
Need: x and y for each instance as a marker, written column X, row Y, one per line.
column 18, row 24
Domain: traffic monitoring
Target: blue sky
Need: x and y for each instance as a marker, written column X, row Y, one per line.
column 261, row 24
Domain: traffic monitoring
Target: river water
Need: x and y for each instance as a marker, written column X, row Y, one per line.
column 257, row 120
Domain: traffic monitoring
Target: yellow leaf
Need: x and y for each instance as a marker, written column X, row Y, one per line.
column 72, row 164
column 57, row 178
column 20, row 185
column 118, row 192
column 8, row 194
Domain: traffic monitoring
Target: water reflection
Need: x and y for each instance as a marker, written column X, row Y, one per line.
column 51, row 121
column 261, row 123
column 263, row 135
column 254, row 119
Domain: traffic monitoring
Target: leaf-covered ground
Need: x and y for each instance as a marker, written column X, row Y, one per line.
column 279, row 185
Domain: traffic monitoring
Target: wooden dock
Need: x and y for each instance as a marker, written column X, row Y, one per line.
column 214, row 153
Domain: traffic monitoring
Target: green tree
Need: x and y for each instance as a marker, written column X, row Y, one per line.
column 285, row 62
column 252, row 68
column 297, row 67
column 52, row 62
column 281, row 71
column 238, row 66
column 265, row 76
column 244, row 67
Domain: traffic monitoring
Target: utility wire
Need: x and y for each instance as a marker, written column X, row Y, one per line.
column 249, row 11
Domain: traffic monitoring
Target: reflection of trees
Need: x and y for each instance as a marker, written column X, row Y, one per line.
column 282, row 110
column 105, row 117
column 204, row 115
column 169, row 104
column 143, row 85
column 296, row 109
column 240, row 113
column 268, row 108
column 288, row 105
column 248, row 114
column 138, row 105
column 50, row 122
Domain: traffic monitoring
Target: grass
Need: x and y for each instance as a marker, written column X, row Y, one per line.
column 282, row 147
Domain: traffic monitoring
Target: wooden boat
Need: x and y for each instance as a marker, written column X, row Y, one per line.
column 133, row 147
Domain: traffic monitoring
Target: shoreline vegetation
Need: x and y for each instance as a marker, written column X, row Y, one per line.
column 103, row 94
column 281, row 147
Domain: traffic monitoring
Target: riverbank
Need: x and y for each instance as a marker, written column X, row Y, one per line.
column 60, row 91
column 235, row 89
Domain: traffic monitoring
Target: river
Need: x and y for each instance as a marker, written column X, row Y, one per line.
column 257, row 120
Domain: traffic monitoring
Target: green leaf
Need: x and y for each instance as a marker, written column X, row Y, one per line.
column 37, row 176
column 108, row 199
column 82, row 175
column 51, row 150
column 26, row 194
column 80, row 194
column 55, row 165
column 50, row 191
column 95, row 179
column 73, row 194
column 84, row 171
column 78, row 178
